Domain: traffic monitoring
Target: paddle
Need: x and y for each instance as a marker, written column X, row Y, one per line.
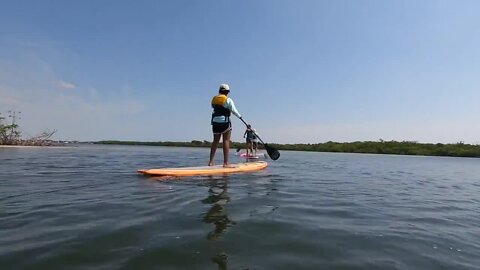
column 272, row 152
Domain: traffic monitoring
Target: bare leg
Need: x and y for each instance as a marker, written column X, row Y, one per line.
column 226, row 146
column 213, row 149
column 250, row 148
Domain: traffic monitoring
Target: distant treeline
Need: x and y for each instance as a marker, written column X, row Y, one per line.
column 372, row 147
column 178, row 144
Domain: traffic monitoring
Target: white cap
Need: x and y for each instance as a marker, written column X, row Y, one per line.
column 224, row 86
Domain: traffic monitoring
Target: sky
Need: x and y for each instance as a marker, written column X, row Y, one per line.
column 299, row 71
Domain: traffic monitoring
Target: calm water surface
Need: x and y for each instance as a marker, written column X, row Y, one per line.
column 86, row 208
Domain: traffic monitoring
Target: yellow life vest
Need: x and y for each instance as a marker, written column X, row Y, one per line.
column 219, row 100
column 218, row 103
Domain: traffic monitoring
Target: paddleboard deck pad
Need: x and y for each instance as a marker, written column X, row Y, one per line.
column 207, row 170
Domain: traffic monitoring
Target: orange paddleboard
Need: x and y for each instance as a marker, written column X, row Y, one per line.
column 207, row 170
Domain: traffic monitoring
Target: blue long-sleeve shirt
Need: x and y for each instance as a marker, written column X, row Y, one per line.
column 229, row 104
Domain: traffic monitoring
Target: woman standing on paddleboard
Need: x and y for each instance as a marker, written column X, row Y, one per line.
column 223, row 107
column 250, row 135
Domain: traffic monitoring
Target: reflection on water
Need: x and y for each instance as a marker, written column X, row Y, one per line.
column 217, row 215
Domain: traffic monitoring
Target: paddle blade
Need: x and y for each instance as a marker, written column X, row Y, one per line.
column 272, row 152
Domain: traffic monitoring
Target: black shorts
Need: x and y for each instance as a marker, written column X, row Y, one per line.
column 249, row 140
column 220, row 128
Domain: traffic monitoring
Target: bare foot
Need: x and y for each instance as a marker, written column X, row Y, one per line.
column 211, row 164
column 228, row 165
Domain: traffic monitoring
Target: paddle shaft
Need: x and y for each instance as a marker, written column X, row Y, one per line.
column 255, row 133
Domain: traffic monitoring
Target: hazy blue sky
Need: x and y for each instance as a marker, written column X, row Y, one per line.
column 299, row 71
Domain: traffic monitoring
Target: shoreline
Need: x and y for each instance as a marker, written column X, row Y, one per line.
column 408, row 148
column 35, row 146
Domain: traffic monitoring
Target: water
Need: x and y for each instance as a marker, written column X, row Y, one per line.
column 86, row 208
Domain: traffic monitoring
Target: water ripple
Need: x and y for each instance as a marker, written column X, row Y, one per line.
column 86, row 208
